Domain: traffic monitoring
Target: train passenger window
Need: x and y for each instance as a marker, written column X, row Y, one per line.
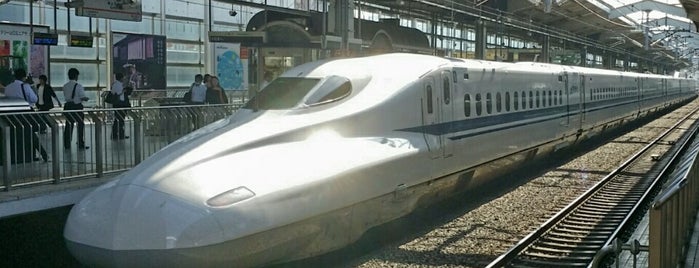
column 488, row 103
column 467, row 105
column 332, row 89
column 524, row 100
column 560, row 78
column 282, row 93
column 537, row 99
column 429, row 99
column 447, row 90
column 516, row 101
column 531, row 100
column 507, row 101
column 465, row 76
column 498, row 102
column 550, row 98
column 479, row 107
column 453, row 75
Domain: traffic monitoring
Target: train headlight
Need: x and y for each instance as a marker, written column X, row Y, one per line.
column 230, row 197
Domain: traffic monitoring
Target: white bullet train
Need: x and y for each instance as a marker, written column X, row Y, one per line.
column 335, row 147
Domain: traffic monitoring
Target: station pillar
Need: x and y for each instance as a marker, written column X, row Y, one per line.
column 480, row 39
column 545, row 49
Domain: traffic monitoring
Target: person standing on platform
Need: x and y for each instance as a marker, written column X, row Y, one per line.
column 74, row 95
column 198, row 90
column 215, row 94
column 118, row 89
column 20, row 89
column 45, row 103
column 133, row 75
column 46, row 95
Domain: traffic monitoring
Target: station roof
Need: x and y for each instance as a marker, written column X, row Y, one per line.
column 671, row 36
column 618, row 24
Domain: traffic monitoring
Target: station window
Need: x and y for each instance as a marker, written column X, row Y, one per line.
column 488, row 103
column 550, row 98
column 447, row 90
column 467, row 105
column 498, row 102
column 479, row 106
column 555, row 98
column 524, row 100
column 538, row 99
column 516, row 100
column 428, row 91
column 507, row 101
column 531, row 100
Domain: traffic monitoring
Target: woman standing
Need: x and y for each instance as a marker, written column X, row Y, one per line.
column 45, row 102
column 46, row 95
column 215, row 94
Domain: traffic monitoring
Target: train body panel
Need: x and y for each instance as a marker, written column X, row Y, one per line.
column 335, row 147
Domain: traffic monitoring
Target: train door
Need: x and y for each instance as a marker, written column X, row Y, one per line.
column 575, row 99
column 639, row 86
column 583, row 102
column 447, row 112
column 430, row 115
column 566, row 121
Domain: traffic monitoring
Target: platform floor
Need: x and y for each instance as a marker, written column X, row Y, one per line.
column 626, row 259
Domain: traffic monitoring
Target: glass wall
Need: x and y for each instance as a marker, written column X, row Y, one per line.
column 183, row 23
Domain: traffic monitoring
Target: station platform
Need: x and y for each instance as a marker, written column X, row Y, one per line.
column 31, row 199
column 626, row 259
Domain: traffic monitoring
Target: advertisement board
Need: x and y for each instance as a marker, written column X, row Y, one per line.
column 18, row 51
column 230, row 65
column 141, row 58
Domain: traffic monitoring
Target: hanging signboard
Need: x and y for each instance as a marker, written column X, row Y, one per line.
column 129, row 10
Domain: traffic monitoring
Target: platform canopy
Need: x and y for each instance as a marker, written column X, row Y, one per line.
column 660, row 28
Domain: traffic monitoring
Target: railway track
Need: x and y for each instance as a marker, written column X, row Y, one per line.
column 573, row 236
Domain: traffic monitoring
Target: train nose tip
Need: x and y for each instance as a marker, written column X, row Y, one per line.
column 118, row 219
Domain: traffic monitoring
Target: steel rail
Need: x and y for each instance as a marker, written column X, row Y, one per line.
column 549, row 225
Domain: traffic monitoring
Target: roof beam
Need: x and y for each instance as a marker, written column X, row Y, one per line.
column 672, row 22
column 647, row 5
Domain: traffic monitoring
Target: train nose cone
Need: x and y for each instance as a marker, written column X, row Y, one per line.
column 128, row 225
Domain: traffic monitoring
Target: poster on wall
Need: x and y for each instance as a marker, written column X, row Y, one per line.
column 141, row 58
column 230, row 65
column 17, row 51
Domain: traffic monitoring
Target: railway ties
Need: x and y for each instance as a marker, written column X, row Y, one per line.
column 573, row 236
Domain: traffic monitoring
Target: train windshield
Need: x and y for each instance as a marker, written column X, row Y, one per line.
column 292, row 92
column 282, row 93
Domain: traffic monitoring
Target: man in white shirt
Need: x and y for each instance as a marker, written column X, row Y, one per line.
column 74, row 96
column 198, row 90
column 20, row 89
column 118, row 132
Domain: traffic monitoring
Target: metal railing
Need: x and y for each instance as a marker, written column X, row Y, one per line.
column 33, row 149
column 672, row 214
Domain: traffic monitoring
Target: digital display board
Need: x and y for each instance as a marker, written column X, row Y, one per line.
column 247, row 38
column 80, row 40
column 47, row 39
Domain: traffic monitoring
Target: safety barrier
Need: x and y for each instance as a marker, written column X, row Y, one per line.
column 33, row 151
column 672, row 214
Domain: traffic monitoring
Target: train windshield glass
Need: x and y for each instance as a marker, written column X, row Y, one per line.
column 332, row 89
column 282, row 93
